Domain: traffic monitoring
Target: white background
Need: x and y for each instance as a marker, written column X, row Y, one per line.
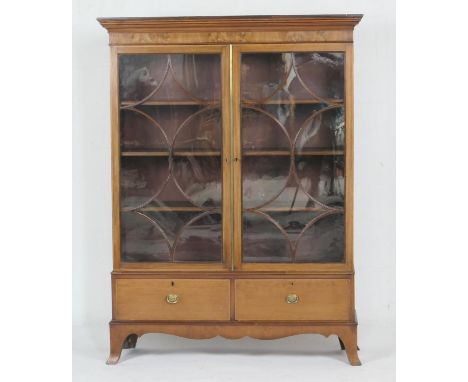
column 374, row 201
column 35, row 219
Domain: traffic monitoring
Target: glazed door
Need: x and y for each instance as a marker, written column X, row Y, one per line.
column 171, row 128
column 292, row 178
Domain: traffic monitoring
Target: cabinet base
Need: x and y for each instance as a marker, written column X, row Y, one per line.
column 124, row 334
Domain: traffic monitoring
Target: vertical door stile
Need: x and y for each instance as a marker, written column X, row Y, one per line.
column 236, row 157
column 226, row 165
column 231, row 144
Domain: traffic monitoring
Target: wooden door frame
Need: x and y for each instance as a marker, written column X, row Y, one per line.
column 224, row 51
column 346, row 266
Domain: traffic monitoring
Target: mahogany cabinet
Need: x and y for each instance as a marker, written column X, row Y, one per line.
column 232, row 173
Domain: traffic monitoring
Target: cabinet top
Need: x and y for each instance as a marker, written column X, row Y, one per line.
column 230, row 23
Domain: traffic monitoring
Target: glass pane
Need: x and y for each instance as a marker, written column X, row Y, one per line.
column 292, row 132
column 176, row 77
column 171, row 236
column 291, row 76
column 171, row 167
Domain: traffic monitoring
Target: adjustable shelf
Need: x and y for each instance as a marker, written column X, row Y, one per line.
column 251, row 102
column 170, row 209
column 258, row 153
column 198, row 209
column 182, row 102
column 245, row 102
column 166, row 153
column 320, row 152
column 286, row 209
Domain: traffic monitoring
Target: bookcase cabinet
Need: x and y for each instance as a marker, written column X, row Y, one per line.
column 232, row 174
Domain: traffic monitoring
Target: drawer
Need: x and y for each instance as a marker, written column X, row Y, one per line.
column 317, row 299
column 171, row 299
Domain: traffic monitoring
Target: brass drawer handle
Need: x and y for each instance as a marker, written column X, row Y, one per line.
column 292, row 298
column 172, row 298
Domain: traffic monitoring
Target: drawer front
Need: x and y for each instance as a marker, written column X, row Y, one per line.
column 171, row 299
column 289, row 299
